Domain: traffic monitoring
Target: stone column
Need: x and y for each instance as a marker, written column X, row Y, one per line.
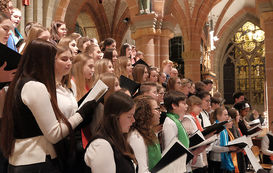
column 267, row 26
column 165, row 36
column 144, row 38
column 192, row 64
column 29, row 12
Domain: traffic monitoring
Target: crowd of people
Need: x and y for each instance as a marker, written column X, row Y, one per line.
column 44, row 130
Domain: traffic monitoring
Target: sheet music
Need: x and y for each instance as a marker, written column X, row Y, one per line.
column 96, row 93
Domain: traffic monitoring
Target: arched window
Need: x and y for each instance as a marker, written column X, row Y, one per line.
column 176, row 48
column 246, row 52
column 86, row 26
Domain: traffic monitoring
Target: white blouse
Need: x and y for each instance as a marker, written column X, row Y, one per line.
column 34, row 150
column 140, row 149
column 67, row 103
column 99, row 156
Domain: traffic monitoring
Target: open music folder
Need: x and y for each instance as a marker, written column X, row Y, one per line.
column 176, row 150
column 95, row 93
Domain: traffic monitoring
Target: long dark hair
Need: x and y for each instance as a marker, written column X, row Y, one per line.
column 115, row 105
column 37, row 63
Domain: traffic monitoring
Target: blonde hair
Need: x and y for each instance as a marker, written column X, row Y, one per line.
column 166, row 61
column 33, row 34
column 101, row 66
column 79, row 78
column 90, row 49
column 120, row 67
column 65, row 41
column 109, row 79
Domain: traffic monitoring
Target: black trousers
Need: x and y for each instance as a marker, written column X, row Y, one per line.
column 50, row 166
column 200, row 170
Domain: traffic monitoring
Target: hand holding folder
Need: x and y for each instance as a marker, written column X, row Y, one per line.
column 95, row 93
column 9, row 60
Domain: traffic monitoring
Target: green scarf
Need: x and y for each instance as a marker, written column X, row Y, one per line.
column 182, row 135
column 154, row 154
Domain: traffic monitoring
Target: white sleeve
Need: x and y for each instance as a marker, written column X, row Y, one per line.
column 99, row 156
column 217, row 148
column 36, row 97
column 169, row 131
column 265, row 146
column 137, row 143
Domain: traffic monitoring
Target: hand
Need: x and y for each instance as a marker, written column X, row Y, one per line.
column 6, row 76
column 233, row 148
column 87, row 110
column 210, row 134
column 199, row 150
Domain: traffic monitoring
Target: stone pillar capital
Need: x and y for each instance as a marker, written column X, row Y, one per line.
column 169, row 22
column 266, row 17
column 142, row 32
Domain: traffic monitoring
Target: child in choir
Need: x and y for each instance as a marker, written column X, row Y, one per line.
column 31, row 131
column 243, row 109
column 113, row 85
column 108, row 43
column 111, row 54
column 103, row 66
column 148, row 88
column 36, row 31
column 140, row 73
column 58, row 31
column 94, row 51
column 109, row 151
column 142, row 138
column 83, row 43
column 83, row 75
column 126, row 50
column 220, row 157
column 153, row 75
column 174, row 84
column 235, row 116
column 124, row 67
column 191, row 123
column 175, row 103
column 204, row 115
column 71, row 42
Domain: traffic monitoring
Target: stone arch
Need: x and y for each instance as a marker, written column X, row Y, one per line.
column 230, row 28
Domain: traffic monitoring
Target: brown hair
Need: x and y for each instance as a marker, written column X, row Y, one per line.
column 38, row 63
column 80, row 43
column 171, row 83
column 54, row 30
column 144, row 119
column 193, row 100
column 216, row 112
column 110, row 128
column 138, row 72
